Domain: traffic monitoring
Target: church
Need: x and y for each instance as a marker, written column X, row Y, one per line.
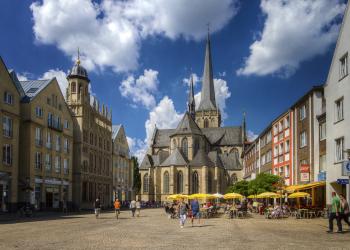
column 199, row 155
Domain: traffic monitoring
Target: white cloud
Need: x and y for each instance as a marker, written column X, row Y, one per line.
column 196, row 79
column 22, row 76
column 103, row 36
column 141, row 90
column 222, row 93
column 109, row 33
column 294, row 31
column 137, row 147
column 164, row 116
column 60, row 76
column 180, row 17
column 251, row 136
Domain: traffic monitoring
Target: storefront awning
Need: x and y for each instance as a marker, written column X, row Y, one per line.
column 293, row 188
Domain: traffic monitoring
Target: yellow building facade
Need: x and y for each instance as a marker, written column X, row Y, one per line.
column 46, row 149
column 9, row 139
column 92, row 166
column 123, row 168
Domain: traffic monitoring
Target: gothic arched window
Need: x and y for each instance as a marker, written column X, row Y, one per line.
column 206, row 123
column 210, row 182
column 184, row 146
column 166, row 183
column 145, row 183
column 195, row 182
column 179, row 182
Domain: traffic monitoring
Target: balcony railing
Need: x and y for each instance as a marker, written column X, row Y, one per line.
column 7, row 133
column 38, row 142
column 38, row 165
column 53, row 124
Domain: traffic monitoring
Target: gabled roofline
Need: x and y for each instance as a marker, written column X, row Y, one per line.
column 338, row 41
column 18, row 88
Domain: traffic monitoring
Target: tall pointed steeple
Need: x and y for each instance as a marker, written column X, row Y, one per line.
column 191, row 102
column 244, row 129
column 208, row 93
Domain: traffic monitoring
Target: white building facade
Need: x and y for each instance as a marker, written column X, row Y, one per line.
column 337, row 94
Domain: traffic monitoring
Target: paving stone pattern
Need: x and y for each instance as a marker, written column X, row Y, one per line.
column 153, row 230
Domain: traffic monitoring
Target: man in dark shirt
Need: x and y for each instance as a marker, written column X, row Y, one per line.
column 195, row 211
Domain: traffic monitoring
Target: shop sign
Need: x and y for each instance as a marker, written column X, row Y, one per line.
column 346, row 168
column 322, row 176
column 38, row 180
column 343, row 181
column 304, row 176
column 304, row 168
column 53, row 182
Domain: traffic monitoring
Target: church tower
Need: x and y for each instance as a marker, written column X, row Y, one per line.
column 78, row 85
column 208, row 114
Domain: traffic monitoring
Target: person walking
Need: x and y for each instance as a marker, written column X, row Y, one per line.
column 117, row 208
column 195, row 212
column 97, row 206
column 182, row 208
column 138, row 208
column 335, row 213
column 133, row 207
column 345, row 209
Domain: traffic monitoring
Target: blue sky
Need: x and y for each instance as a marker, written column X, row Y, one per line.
column 266, row 54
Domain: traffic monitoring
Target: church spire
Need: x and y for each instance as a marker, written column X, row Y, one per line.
column 191, row 102
column 208, row 93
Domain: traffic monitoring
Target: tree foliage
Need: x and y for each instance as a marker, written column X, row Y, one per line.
column 240, row 187
column 137, row 175
column 262, row 183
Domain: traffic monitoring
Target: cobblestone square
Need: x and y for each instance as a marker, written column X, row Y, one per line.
column 153, row 230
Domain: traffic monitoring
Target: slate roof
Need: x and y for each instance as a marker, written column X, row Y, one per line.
column 160, row 157
column 231, row 161
column 208, row 93
column 115, row 130
column 32, row 88
column 162, row 137
column 175, row 159
column 15, row 80
column 224, row 135
column 214, row 157
column 201, row 159
column 147, row 162
column 187, row 126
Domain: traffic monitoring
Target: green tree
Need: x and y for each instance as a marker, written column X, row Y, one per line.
column 240, row 187
column 263, row 183
column 137, row 175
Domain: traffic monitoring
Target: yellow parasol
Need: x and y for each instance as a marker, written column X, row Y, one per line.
column 201, row 196
column 177, row 196
column 299, row 195
column 268, row 195
column 233, row 196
